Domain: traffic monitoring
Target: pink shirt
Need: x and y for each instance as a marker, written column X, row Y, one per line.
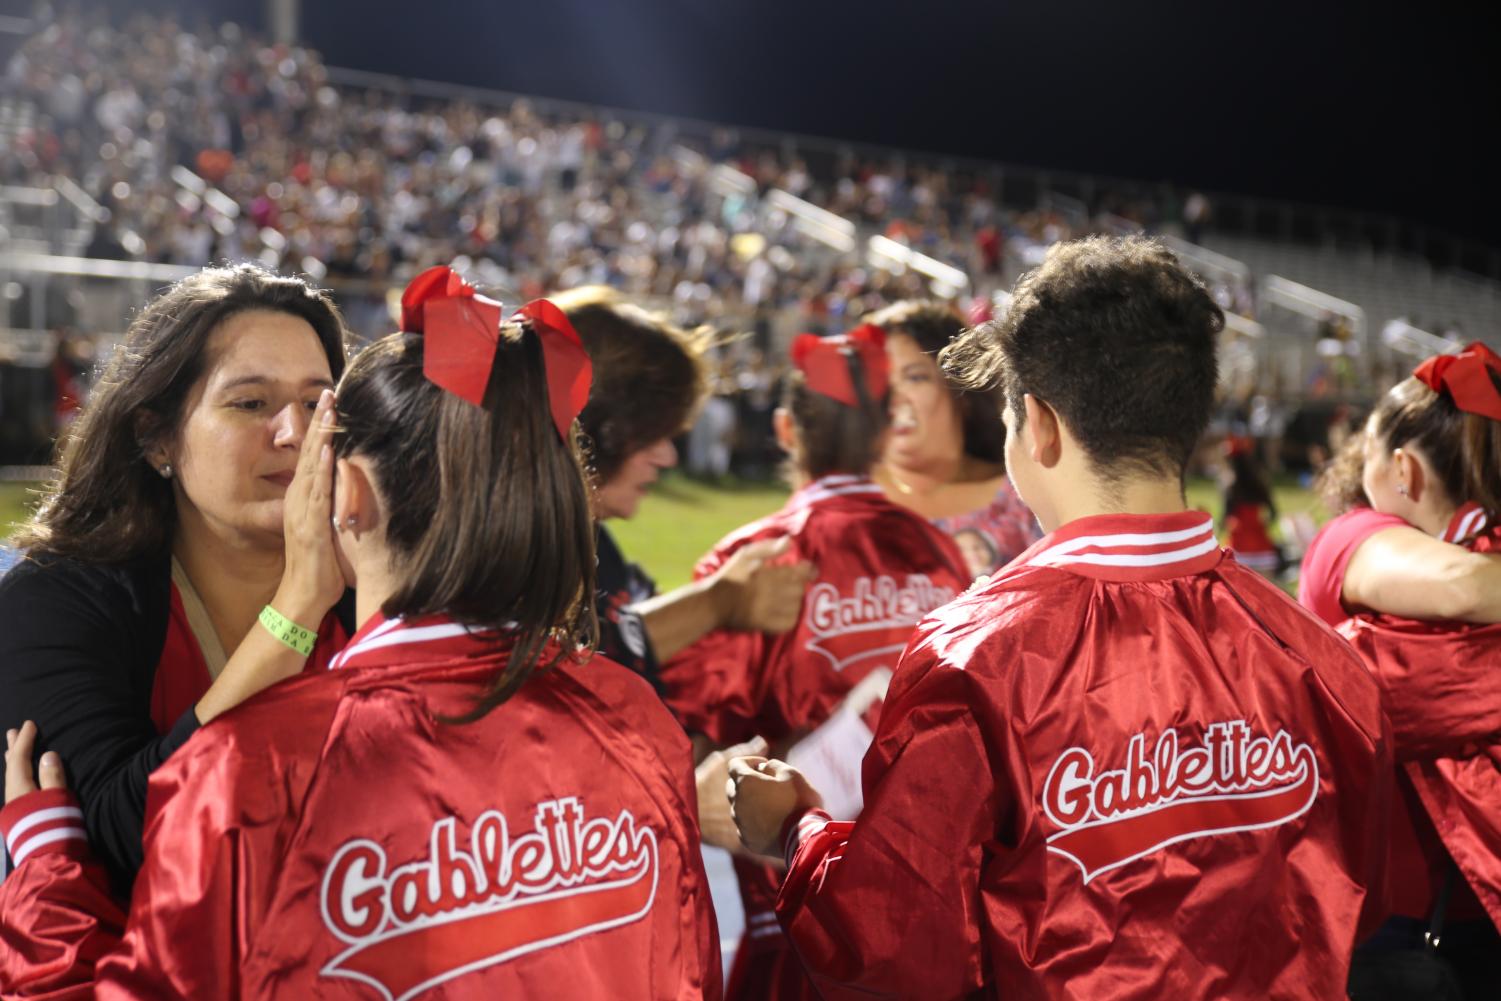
column 994, row 535
column 1322, row 578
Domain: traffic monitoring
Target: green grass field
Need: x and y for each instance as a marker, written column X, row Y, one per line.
column 682, row 518
column 16, row 503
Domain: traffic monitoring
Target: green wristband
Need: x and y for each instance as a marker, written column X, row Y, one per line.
column 288, row 632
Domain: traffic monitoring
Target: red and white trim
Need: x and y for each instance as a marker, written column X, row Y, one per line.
column 1131, row 547
column 1469, row 521
column 44, row 821
column 801, row 826
column 833, row 486
column 385, row 642
column 762, row 925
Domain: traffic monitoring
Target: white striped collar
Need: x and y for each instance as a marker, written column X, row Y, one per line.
column 825, row 487
column 1469, row 521
column 440, row 638
column 1131, row 546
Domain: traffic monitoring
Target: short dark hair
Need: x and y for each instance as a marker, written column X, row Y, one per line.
column 649, row 376
column 488, row 506
column 836, row 437
column 1463, row 448
column 1118, row 339
column 106, row 504
column 934, row 326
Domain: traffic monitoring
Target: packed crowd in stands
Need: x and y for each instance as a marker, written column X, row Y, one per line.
column 361, row 188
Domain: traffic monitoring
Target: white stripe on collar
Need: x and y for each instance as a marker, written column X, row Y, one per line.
column 1169, row 547
column 1464, row 527
column 836, row 486
column 397, row 633
column 380, row 630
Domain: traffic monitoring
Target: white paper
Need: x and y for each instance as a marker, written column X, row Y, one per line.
column 831, row 755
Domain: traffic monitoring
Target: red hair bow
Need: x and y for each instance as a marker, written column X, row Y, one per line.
column 569, row 370
column 1467, row 377
column 1237, row 444
column 462, row 331
column 824, row 362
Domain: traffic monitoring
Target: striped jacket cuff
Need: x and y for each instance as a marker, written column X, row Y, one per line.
column 798, row 827
column 45, row 821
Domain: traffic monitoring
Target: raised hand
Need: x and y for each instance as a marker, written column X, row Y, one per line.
column 312, row 581
column 764, row 597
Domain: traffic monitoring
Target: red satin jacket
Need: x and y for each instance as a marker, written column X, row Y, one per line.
column 1127, row 767
column 333, row 839
column 881, row 568
column 1441, row 687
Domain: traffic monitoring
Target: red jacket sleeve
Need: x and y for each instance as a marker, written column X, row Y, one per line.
column 714, row 684
column 57, row 917
column 204, row 831
column 930, row 808
column 1438, row 683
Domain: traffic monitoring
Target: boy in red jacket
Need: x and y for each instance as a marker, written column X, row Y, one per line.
column 1127, row 766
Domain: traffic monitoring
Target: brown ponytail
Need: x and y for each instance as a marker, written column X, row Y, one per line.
column 488, row 509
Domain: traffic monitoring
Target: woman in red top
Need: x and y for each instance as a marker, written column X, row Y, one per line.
column 175, row 518
column 1429, row 467
column 467, row 803
column 817, row 688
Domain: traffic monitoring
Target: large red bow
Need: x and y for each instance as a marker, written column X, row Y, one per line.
column 569, row 370
column 825, row 364
column 1467, row 377
column 462, row 331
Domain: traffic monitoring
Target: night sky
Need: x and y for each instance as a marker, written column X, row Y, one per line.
column 1336, row 104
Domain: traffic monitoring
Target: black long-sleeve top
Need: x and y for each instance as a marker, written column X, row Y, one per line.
column 80, row 645
column 79, row 648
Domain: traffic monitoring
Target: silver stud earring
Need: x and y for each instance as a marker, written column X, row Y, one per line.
column 166, row 471
column 351, row 521
column 1402, row 489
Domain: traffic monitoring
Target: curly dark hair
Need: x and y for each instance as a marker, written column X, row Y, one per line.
column 934, row 326
column 649, row 376
column 1118, row 339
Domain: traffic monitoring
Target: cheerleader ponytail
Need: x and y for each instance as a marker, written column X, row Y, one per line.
column 470, row 425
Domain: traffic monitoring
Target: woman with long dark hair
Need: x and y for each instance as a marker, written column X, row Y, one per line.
column 467, row 799
column 177, row 516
